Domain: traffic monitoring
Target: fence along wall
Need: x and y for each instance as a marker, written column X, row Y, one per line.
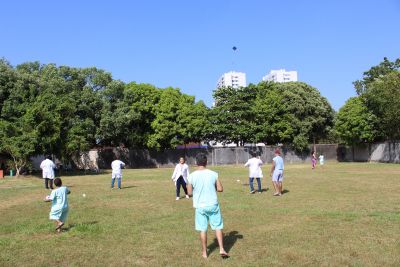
column 388, row 152
column 142, row 158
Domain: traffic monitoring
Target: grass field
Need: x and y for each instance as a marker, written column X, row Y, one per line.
column 347, row 214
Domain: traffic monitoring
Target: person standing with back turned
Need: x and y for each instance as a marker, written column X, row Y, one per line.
column 204, row 184
column 277, row 172
column 47, row 167
column 116, row 167
column 254, row 165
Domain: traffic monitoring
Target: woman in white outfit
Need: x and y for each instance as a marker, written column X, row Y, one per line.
column 179, row 176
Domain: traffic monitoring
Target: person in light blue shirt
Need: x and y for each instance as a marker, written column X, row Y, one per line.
column 59, row 204
column 204, row 184
column 277, row 172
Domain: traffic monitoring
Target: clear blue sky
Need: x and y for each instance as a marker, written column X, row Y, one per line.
column 188, row 44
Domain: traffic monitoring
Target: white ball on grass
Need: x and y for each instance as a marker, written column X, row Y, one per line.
column 84, row 195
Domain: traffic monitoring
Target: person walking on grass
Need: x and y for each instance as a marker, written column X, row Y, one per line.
column 59, row 204
column 116, row 167
column 179, row 176
column 204, row 184
column 277, row 172
column 255, row 171
column 313, row 160
column 48, row 167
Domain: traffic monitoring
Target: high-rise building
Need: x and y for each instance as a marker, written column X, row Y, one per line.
column 233, row 79
column 281, row 76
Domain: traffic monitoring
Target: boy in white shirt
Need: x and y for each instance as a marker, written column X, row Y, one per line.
column 255, row 171
column 116, row 167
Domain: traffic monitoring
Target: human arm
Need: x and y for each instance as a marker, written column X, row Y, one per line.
column 272, row 168
column 50, row 197
column 174, row 173
column 189, row 188
column 218, row 186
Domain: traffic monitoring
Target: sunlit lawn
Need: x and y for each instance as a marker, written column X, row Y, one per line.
column 347, row 214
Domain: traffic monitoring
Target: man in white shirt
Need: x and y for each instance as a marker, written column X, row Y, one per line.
column 255, row 171
column 116, row 167
column 47, row 167
column 179, row 176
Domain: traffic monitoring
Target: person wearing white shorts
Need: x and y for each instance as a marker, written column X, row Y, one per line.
column 277, row 172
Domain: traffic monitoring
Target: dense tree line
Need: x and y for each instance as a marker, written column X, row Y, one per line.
column 374, row 114
column 65, row 111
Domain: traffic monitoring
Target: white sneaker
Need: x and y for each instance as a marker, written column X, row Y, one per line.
column 177, row 198
column 187, row 196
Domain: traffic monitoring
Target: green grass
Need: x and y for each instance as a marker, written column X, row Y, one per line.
column 347, row 214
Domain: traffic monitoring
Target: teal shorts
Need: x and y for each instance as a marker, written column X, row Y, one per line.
column 210, row 214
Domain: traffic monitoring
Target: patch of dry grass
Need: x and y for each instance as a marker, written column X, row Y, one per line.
column 346, row 214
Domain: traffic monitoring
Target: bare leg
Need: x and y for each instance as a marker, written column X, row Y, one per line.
column 280, row 187
column 276, row 189
column 220, row 238
column 203, row 238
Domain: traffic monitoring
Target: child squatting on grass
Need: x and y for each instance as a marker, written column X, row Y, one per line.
column 59, row 204
column 204, row 184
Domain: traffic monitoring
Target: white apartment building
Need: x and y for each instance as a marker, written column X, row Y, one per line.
column 233, row 79
column 281, row 76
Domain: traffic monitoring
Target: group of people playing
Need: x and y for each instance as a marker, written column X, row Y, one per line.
column 58, row 197
column 276, row 172
column 202, row 184
column 181, row 173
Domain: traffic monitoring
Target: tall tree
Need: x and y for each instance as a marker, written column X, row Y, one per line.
column 376, row 72
column 355, row 123
column 383, row 100
column 231, row 117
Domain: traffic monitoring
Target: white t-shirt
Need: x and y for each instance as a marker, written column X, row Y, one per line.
column 116, row 166
column 254, row 165
column 180, row 170
column 47, row 167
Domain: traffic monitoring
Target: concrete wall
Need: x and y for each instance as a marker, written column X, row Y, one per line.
column 380, row 152
column 142, row 158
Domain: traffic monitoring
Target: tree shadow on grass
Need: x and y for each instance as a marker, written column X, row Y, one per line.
column 229, row 241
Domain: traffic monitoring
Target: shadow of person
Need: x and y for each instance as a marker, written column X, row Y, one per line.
column 129, row 186
column 229, row 241
column 72, row 225
column 284, row 191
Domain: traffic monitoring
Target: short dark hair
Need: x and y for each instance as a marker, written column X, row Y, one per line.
column 201, row 159
column 58, row 182
column 48, row 157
